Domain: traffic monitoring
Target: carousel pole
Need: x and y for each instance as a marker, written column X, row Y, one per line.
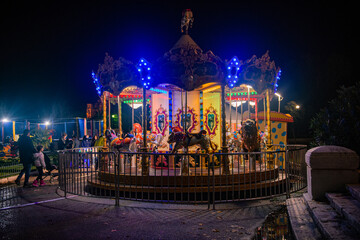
column 225, row 159
column 264, row 101
column 132, row 115
column 248, row 101
column 256, row 110
column 104, row 117
column 241, row 110
column 119, row 115
column 109, row 115
column 230, row 113
column 144, row 159
column 185, row 125
column 268, row 117
column 236, row 116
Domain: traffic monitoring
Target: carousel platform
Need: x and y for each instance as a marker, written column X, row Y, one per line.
column 200, row 183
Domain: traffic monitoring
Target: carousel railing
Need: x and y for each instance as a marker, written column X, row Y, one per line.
column 183, row 178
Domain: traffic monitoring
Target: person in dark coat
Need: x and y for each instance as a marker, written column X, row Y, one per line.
column 85, row 141
column 63, row 142
column 26, row 151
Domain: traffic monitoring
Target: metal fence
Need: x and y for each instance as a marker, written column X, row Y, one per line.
column 10, row 168
column 183, row 178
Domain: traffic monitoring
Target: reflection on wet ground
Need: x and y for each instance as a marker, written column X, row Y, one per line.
column 9, row 196
column 276, row 226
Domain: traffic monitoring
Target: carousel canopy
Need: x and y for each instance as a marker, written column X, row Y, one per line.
column 187, row 67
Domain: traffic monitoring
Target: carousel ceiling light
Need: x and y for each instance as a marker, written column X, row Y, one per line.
column 135, row 105
column 4, row 120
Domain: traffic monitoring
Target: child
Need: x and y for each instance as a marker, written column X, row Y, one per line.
column 39, row 164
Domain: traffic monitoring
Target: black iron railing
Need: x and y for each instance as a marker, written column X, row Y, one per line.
column 183, row 178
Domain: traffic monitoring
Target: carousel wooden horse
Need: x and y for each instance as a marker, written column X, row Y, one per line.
column 122, row 145
column 250, row 137
column 189, row 139
column 235, row 142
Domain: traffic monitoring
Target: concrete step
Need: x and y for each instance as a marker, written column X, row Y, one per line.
column 329, row 222
column 301, row 221
column 354, row 190
column 347, row 206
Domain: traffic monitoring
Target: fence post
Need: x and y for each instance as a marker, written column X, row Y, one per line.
column 287, row 169
column 64, row 172
column 116, row 163
column 208, row 195
column 213, row 176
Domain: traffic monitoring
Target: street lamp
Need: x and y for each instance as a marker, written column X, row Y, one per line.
column 297, row 106
column 4, row 120
column 248, row 86
column 280, row 98
column 47, row 123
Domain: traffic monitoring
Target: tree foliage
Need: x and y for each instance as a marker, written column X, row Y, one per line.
column 338, row 123
column 40, row 137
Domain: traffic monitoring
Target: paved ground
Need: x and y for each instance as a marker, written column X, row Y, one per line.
column 43, row 213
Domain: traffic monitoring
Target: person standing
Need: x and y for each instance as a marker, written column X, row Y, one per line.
column 75, row 142
column 85, row 142
column 39, row 162
column 26, row 151
column 63, row 142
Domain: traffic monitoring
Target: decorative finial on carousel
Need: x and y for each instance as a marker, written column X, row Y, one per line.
column 186, row 21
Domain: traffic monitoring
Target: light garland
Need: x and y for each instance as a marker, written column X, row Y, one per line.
column 233, row 68
column 277, row 78
column 97, row 83
column 144, row 69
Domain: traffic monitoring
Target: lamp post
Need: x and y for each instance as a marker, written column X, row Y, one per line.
column 280, row 98
column 47, row 123
column 3, row 121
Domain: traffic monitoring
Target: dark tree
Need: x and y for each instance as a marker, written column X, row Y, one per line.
column 338, row 124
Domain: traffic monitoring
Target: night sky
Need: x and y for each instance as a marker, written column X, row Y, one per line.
column 48, row 50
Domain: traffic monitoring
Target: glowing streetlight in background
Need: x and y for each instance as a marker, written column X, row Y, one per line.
column 4, row 120
column 297, row 106
column 47, row 123
column 280, row 98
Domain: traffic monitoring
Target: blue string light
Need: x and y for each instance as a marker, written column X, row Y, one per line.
column 277, row 78
column 97, row 83
column 144, row 69
column 233, row 68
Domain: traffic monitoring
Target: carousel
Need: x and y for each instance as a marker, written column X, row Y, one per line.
column 193, row 104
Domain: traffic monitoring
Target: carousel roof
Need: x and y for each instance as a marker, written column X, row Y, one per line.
column 188, row 67
column 185, row 42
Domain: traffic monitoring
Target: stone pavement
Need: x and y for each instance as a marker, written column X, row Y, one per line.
column 43, row 213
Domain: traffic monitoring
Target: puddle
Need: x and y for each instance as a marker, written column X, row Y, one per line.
column 276, row 226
